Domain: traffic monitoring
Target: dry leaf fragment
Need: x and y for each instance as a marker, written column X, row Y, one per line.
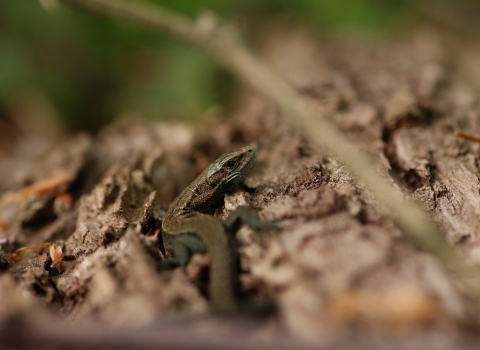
column 56, row 253
column 57, row 256
column 20, row 252
column 66, row 199
column 393, row 310
column 38, row 188
column 3, row 225
column 469, row 137
column 153, row 233
column 45, row 186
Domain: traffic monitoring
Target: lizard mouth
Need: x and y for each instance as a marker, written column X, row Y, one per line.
column 232, row 178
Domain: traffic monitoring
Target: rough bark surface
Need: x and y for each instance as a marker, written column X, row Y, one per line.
column 339, row 271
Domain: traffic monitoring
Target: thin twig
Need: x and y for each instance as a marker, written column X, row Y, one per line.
column 469, row 137
column 222, row 43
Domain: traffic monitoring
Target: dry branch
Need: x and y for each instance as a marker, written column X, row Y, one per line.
column 19, row 333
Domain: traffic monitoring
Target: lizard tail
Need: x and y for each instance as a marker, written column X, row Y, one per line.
column 223, row 266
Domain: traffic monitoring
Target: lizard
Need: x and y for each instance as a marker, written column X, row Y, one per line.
column 190, row 227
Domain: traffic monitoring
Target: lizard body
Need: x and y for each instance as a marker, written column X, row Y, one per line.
column 190, row 227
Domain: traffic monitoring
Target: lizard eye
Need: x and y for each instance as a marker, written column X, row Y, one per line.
column 231, row 164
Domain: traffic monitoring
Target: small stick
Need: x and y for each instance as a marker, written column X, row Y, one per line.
column 56, row 253
column 469, row 137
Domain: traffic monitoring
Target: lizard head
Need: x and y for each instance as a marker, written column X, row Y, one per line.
column 231, row 167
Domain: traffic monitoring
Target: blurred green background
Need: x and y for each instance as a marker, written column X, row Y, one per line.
column 85, row 71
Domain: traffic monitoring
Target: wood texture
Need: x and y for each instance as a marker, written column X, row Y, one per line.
column 340, row 273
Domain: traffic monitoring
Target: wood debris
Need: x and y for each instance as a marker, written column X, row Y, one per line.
column 395, row 310
column 56, row 253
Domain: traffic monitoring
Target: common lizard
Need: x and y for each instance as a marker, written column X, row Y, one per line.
column 190, row 227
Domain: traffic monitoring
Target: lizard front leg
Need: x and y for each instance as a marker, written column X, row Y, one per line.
column 248, row 216
column 180, row 248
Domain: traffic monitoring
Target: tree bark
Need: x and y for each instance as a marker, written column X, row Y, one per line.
column 339, row 272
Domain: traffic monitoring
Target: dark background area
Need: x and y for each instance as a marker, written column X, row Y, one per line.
column 81, row 72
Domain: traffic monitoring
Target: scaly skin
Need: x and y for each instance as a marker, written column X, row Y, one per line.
column 189, row 227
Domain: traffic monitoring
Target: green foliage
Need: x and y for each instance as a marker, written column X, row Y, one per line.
column 92, row 69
